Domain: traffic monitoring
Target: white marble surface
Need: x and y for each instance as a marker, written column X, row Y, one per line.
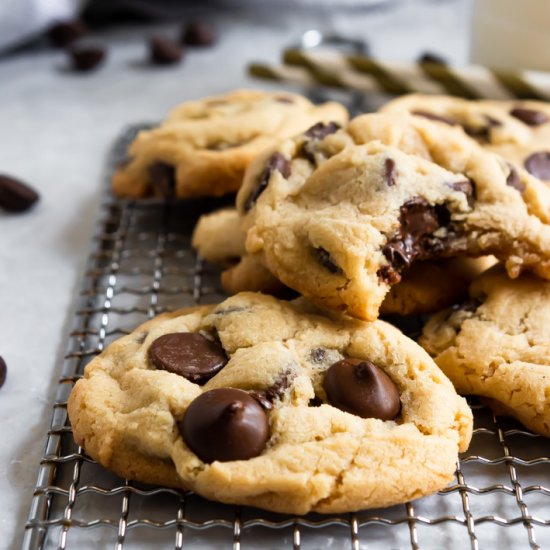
column 55, row 128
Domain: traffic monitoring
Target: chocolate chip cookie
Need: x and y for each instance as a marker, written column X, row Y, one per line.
column 517, row 130
column 339, row 215
column 203, row 147
column 424, row 288
column 268, row 403
column 497, row 345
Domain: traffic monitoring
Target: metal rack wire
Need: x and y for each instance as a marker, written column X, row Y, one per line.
column 141, row 264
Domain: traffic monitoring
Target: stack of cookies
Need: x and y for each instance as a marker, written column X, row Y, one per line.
column 316, row 404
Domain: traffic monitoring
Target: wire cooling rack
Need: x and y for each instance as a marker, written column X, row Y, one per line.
column 142, row 264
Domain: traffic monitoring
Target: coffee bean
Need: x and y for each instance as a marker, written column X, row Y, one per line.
column 162, row 177
column 164, row 51
column 198, row 33
column 529, row 116
column 3, row 371
column 538, row 164
column 361, row 388
column 389, row 172
column 432, row 116
column 225, row 424
column 188, row 354
column 276, row 162
column 15, row 195
column 86, row 59
column 64, row 33
column 513, row 180
column 324, row 258
column 321, row 130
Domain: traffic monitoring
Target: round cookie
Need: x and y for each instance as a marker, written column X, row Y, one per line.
column 497, row 345
column 203, row 147
column 143, row 422
column 424, row 288
column 359, row 205
column 519, row 131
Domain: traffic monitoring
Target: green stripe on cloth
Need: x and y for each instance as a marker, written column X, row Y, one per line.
column 327, row 78
column 519, row 87
column 387, row 81
column 263, row 71
column 446, row 78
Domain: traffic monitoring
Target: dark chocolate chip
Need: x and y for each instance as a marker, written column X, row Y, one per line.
column 482, row 133
column 324, row 258
column 513, row 180
column 529, row 116
column 275, row 391
column 276, row 162
column 321, row 130
column 418, row 217
column 538, row 164
column 188, row 354
column 162, row 177
column 198, row 33
column 86, row 59
column 432, row 116
column 64, row 33
column 315, row 402
column 164, row 51
column 432, row 58
column 225, row 424
column 317, row 355
column 3, row 371
column 467, row 187
column 361, row 388
column 15, row 195
column 389, row 172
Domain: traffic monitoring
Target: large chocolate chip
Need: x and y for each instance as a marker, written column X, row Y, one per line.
column 390, row 172
column 538, row 164
column 162, row 177
column 467, row 187
column 188, row 354
column 15, row 195
column 198, row 33
column 432, row 116
column 321, row 130
column 361, row 388
column 64, row 33
column 513, row 180
column 3, row 371
column 276, row 162
column 86, row 59
column 529, row 116
column 164, row 51
column 225, row 424
column 418, row 217
column 324, row 258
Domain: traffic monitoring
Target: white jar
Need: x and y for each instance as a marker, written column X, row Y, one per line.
column 511, row 34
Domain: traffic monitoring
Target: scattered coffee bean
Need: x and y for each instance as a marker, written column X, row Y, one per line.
column 361, row 388
column 432, row 116
column 321, row 130
column 198, row 33
column 86, row 59
column 164, row 51
column 390, row 172
column 538, row 164
column 513, row 180
column 15, row 195
column 276, row 162
column 188, row 354
column 324, row 258
column 225, row 424
column 64, row 33
column 3, row 371
column 162, row 178
column 529, row 116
